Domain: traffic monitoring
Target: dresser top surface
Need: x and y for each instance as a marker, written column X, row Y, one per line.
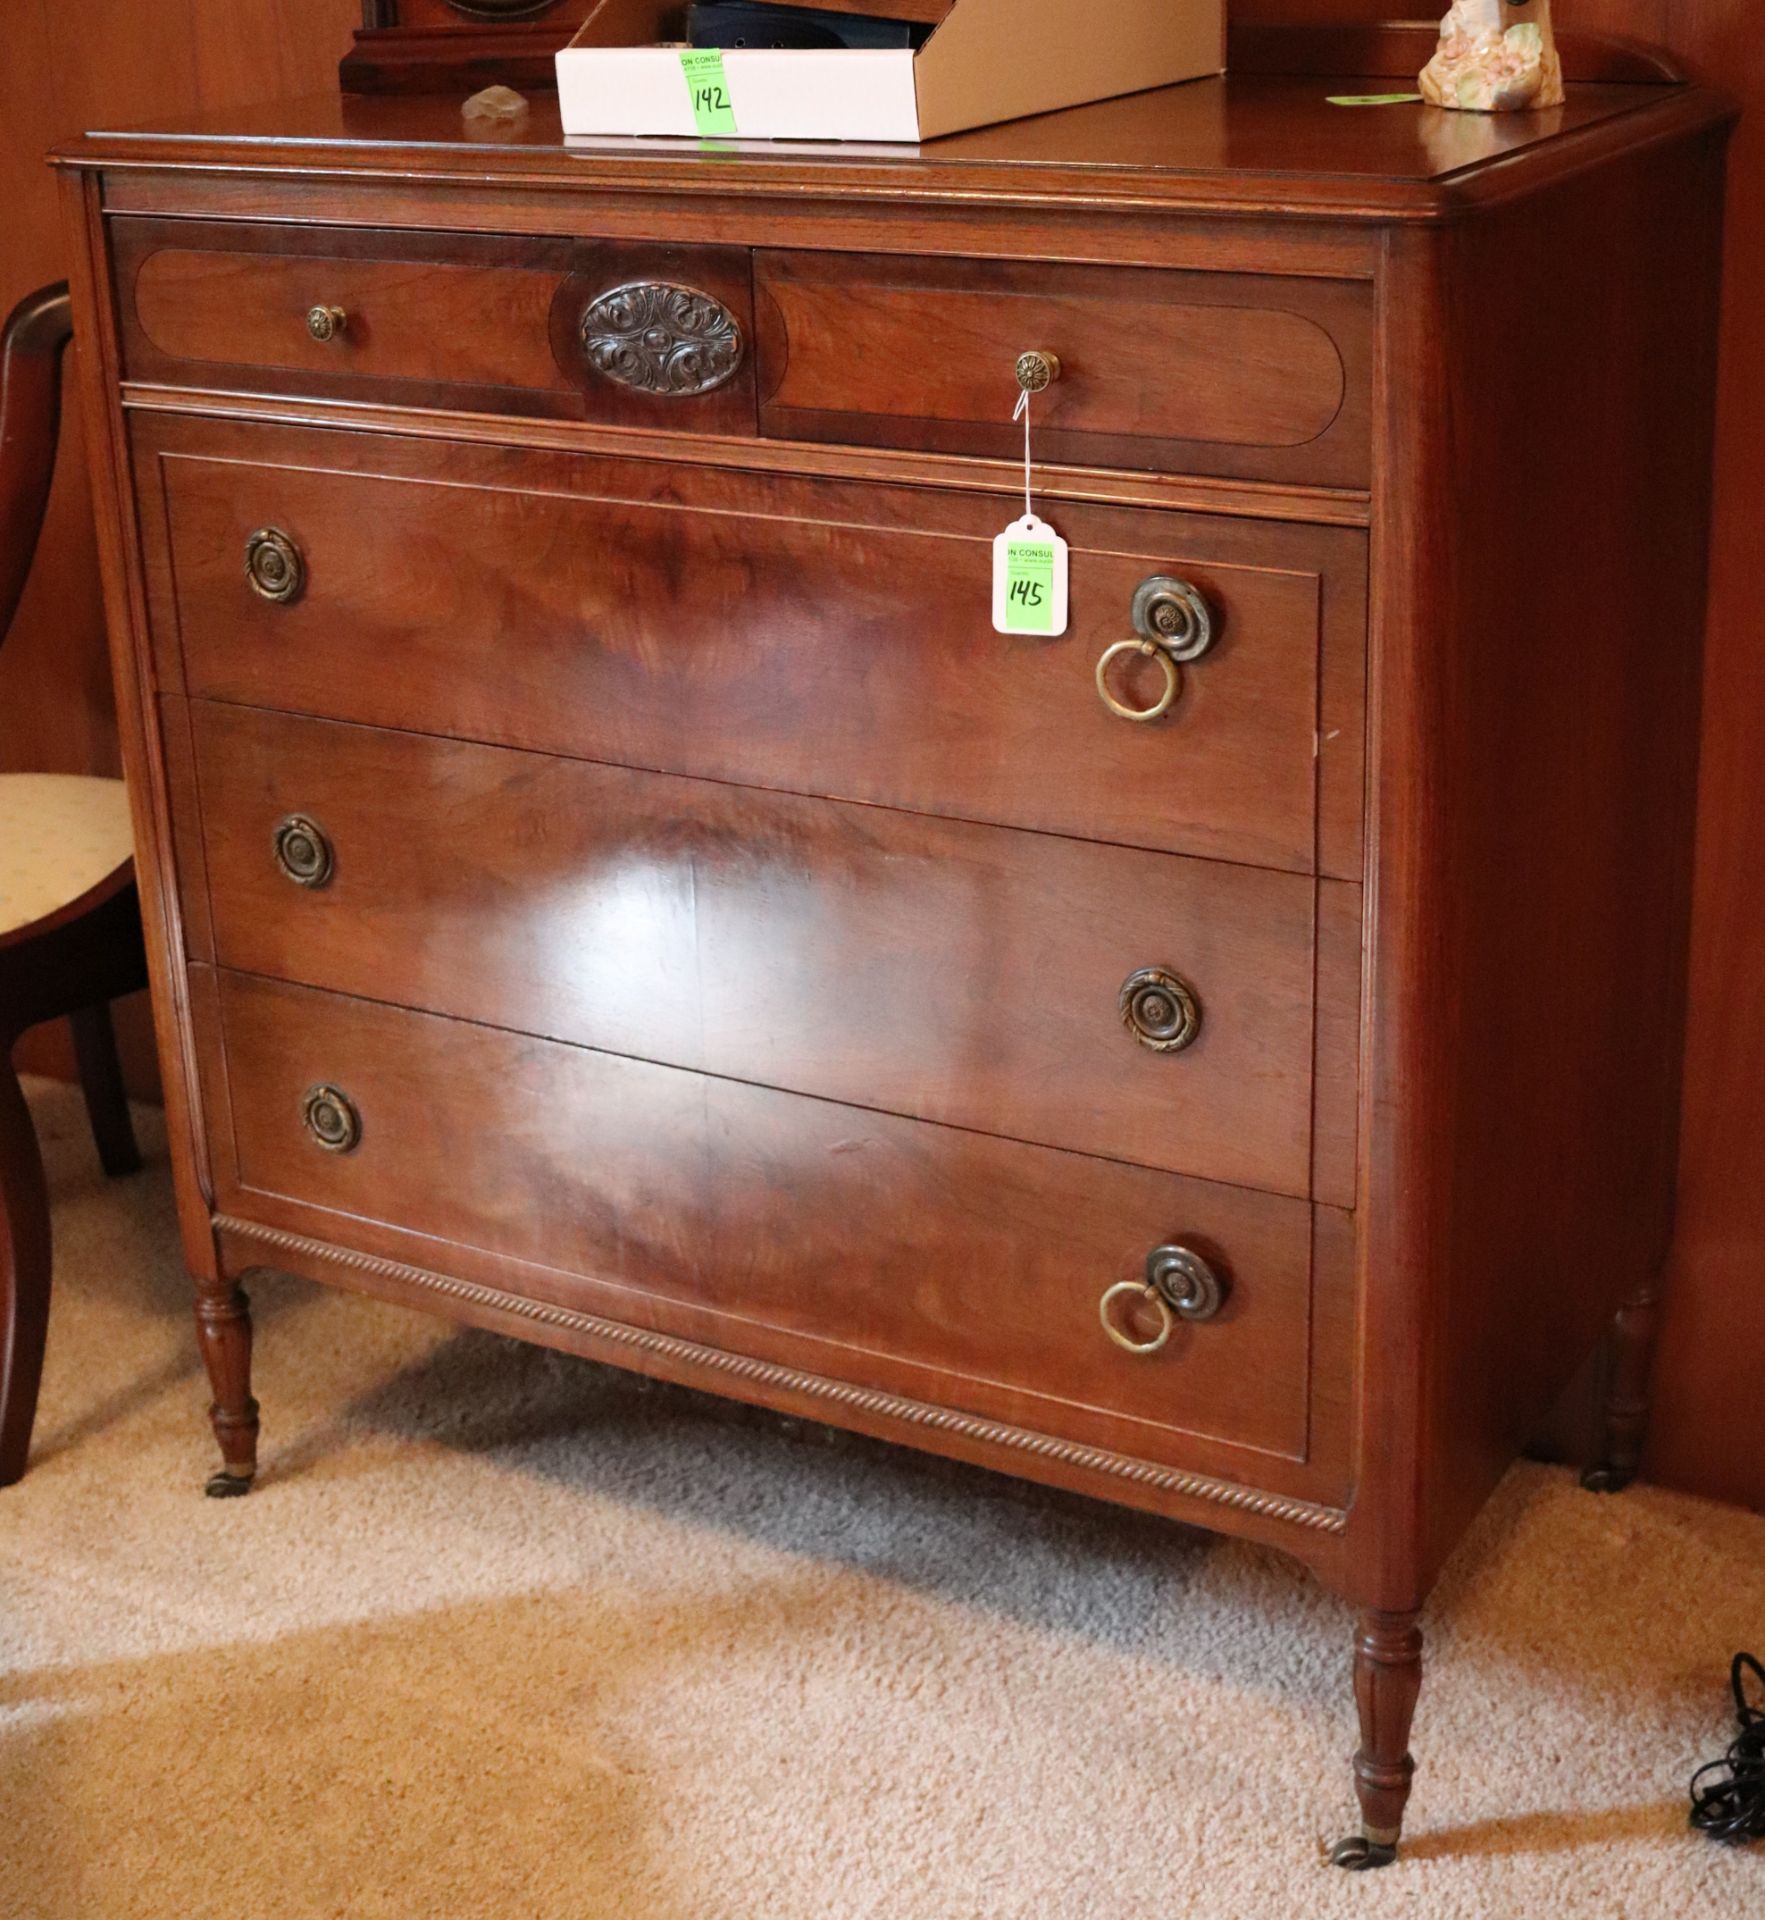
column 1245, row 142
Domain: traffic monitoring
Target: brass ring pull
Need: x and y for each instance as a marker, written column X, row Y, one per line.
column 1173, row 680
column 1141, row 1290
column 326, row 323
column 1175, row 625
column 1179, row 1283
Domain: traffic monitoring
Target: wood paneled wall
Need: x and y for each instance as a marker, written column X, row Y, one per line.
column 69, row 63
column 65, row 65
column 1708, row 1427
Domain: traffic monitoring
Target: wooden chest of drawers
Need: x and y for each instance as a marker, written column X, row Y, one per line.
column 609, row 882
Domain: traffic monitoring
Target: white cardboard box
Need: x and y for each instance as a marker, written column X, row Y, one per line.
column 987, row 60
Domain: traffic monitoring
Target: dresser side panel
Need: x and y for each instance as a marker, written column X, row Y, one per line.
column 1539, row 563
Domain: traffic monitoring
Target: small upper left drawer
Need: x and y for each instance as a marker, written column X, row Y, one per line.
column 635, row 335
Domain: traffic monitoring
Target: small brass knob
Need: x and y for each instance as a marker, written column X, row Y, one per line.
column 1159, row 1009
column 273, row 565
column 303, row 852
column 1037, row 371
column 329, row 1115
column 326, row 323
column 1173, row 615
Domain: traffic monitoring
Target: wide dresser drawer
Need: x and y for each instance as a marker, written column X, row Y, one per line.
column 891, row 1255
column 822, row 637
column 1138, row 1005
column 1252, row 376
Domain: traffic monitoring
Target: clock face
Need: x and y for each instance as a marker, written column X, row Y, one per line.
column 501, row 9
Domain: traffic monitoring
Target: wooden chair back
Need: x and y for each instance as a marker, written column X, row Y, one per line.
column 36, row 335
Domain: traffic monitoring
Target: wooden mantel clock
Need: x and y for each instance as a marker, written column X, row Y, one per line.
column 419, row 46
column 607, row 881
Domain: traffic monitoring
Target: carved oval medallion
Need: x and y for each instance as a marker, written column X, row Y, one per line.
column 660, row 338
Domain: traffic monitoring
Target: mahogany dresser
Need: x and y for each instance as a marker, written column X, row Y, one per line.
column 607, row 880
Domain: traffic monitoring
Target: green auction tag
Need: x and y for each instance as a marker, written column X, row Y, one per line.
column 1370, row 99
column 1029, row 587
column 1029, row 578
column 708, row 89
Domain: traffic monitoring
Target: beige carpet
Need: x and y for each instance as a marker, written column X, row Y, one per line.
column 503, row 1634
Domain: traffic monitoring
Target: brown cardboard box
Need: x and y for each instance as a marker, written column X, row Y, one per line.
column 986, row 60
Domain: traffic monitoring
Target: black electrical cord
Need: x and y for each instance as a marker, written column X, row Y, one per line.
column 1728, row 1795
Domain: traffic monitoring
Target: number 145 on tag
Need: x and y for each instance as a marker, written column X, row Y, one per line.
column 1029, row 579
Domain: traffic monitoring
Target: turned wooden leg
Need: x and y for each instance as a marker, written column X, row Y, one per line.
column 24, row 1273
column 223, row 1325
column 101, row 1081
column 1387, row 1679
column 1624, row 1399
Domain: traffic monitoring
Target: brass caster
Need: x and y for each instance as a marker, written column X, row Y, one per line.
column 1604, row 1479
column 227, row 1486
column 1359, row 1854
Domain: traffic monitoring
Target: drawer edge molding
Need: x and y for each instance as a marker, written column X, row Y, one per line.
column 917, row 1413
column 1304, row 505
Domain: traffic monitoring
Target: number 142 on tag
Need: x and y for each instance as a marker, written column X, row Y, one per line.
column 1029, row 579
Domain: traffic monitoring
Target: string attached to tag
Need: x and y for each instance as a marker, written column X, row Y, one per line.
column 1022, row 413
column 1029, row 557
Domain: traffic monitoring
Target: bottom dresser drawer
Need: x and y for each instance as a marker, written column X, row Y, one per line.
column 923, row 1260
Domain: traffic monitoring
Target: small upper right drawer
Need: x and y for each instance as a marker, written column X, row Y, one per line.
column 1251, row 376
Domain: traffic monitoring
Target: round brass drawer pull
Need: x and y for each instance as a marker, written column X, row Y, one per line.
column 303, row 851
column 1140, row 1290
column 329, row 1115
column 1159, row 1009
column 327, row 323
column 1172, row 680
column 273, row 566
column 1037, row 371
column 1179, row 1285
